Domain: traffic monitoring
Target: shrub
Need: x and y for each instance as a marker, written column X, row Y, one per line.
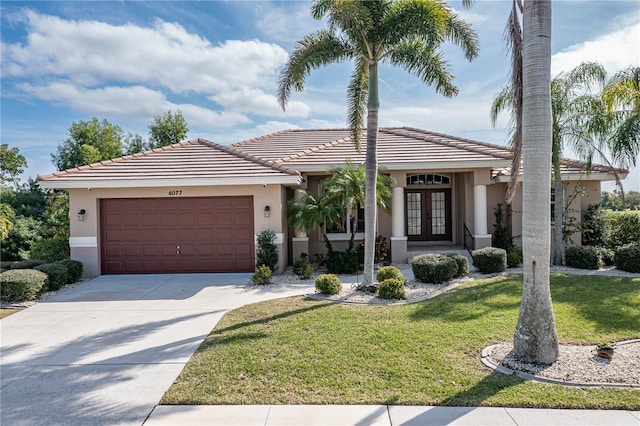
column 593, row 226
column 606, row 255
column 434, row 268
column 583, row 257
column 328, row 284
column 27, row 264
column 22, row 284
column 381, row 250
column 342, row 262
column 387, row 272
column 267, row 253
column 51, row 249
column 514, row 257
column 74, row 270
column 490, row 259
column 463, row 265
column 628, row 258
column 391, row 288
column 56, row 273
column 622, row 228
column 303, row 268
column 262, row 275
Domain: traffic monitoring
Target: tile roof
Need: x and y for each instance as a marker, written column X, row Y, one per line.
column 190, row 160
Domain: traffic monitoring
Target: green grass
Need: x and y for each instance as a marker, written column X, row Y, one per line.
column 5, row 312
column 297, row 351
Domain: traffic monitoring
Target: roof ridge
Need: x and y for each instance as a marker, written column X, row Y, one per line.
column 316, row 148
column 245, row 156
column 252, row 140
column 455, row 139
column 121, row 158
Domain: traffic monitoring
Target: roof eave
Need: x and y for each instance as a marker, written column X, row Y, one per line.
column 572, row 176
column 429, row 165
column 140, row 183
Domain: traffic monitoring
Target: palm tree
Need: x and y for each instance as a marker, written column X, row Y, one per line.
column 404, row 33
column 535, row 338
column 347, row 187
column 315, row 212
column 569, row 91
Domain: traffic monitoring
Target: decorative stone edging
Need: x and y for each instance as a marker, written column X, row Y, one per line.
column 489, row 362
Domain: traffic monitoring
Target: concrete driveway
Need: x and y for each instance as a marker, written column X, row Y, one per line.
column 105, row 351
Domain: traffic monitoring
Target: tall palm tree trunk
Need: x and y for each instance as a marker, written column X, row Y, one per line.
column 558, row 211
column 535, row 337
column 371, row 174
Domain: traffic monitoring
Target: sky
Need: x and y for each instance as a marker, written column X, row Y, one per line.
column 218, row 63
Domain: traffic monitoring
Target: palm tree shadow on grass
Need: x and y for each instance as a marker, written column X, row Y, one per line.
column 486, row 388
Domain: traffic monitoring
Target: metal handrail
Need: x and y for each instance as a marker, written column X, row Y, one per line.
column 469, row 241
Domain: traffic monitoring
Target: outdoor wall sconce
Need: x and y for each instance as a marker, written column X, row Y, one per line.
column 81, row 214
column 267, row 211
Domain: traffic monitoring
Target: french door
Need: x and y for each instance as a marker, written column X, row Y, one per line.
column 428, row 214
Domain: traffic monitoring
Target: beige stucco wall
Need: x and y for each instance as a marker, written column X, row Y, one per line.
column 83, row 231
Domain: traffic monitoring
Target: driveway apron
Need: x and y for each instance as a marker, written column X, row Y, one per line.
column 105, row 351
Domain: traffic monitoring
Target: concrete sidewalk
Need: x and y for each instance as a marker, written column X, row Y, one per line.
column 387, row 415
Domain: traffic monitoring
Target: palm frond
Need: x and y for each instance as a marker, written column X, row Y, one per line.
column 357, row 93
column 503, row 101
column 313, row 51
column 513, row 36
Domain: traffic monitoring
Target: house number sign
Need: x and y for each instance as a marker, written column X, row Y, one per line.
column 175, row 193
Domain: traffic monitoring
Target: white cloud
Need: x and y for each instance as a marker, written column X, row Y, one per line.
column 256, row 101
column 127, row 102
column 615, row 51
column 285, row 24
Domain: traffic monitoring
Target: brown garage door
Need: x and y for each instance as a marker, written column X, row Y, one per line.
column 177, row 235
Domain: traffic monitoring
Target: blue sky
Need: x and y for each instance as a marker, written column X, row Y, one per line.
column 218, row 61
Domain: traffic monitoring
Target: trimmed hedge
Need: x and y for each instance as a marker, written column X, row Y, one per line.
column 434, row 268
column 583, row 257
column 328, row 284
column 514, row 257
column 463, row 264
column 57, row 275
column 622, row 228
column 628, row 258
column 391, row 288
column 74, row 270
column 18, row 285
column 490, row 260
column 50, row 249
column 606, row 255
column 303, row 268
column 27, row 264
column 387, row 272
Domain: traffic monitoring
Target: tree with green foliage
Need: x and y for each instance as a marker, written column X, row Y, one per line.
column 407, row 34
column 347, row 187
column 89, row 142
column 167, row 129
column 315, row 212
column 12, row 165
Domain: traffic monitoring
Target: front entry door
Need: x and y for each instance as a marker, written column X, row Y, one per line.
column 428, row 214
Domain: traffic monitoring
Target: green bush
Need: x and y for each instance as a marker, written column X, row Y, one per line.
column 583, row 257
column 622, row 228
column 57, row 275
column 22, row 284
column 262, row 275
column 74, row 270
column 303, row 268
column 27, row 264
column 267, row 253
column 606, row 255
column 342, row 262
column 51, row 249
column 628, row 258
column 514, row 257
column 387, row 272
column 391, row 288
column 463, row 264
column 434, row 268
column 593, row 226
column 328, row 284
column 490, row 259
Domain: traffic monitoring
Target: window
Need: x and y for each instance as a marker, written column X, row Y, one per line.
column 428, row 179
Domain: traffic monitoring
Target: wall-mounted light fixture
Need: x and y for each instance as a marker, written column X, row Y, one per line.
column 81, row 214
column 267, row 211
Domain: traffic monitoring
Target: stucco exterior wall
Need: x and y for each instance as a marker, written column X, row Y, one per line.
column 85, row 235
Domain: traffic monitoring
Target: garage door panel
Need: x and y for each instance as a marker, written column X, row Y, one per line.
column 215, row 234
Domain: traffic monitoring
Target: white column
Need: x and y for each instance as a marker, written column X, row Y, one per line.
column 480, row 209
column 397, row 211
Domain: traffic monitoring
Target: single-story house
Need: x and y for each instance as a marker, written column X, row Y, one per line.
column 197, row 206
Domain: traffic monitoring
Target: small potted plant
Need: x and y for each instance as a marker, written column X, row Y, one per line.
column 604, row 350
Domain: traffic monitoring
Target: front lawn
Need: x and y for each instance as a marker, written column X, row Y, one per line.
column 5, row 312
column 297, row 351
